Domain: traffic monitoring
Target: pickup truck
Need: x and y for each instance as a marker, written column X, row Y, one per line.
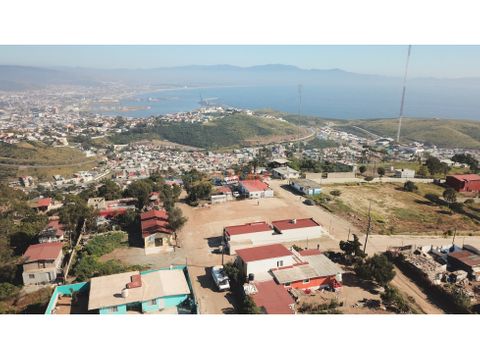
column 220, row 278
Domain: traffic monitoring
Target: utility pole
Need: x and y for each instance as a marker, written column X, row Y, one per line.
column 403, row 94
column 454, row 234
column 368, row 225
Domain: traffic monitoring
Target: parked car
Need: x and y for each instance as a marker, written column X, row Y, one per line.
column 220, row 278
column 309, row 202
column 236, row 194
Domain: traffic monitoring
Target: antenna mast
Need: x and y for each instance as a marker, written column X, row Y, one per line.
column 403, row 93
column 300, row 88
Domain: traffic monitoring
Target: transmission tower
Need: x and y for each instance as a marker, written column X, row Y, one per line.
column 403, row 94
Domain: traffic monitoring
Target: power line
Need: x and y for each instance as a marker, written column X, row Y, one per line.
column 403, row 93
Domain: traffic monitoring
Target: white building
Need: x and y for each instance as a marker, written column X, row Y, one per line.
column 255, row 189
column 261, row 233
column 285, row 173
column 42, row 263
column 404, row 173
column 259, row 260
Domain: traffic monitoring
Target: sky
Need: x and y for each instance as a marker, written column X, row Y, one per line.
column 446, row 61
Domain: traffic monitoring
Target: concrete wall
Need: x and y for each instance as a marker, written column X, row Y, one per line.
column 302, row 234
column 40, row 277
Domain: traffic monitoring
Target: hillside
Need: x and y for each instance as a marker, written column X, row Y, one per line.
column 228, row 131
column 41, row 160
column 443, row 133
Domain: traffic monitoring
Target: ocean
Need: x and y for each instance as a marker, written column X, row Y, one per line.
column 338, row 102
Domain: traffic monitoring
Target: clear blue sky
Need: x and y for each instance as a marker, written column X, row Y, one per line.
column 437, row 61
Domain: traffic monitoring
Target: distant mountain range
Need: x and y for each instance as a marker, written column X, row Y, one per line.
column 14, row 77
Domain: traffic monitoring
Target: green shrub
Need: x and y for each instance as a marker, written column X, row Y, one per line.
column 335, row 192
column 8, row 291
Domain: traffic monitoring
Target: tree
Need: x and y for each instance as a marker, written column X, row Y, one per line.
column 140, row 190
column 467, row 159
column 176, row 220
column 128, row 221
column 8, row 291
column 362, row 169
column 352, row 248
column 381, row 171
column 249, row 306
column 422, row 171
column 435, row 166
column 450, row 196
column 109, row 190
column 377, row 268
column 410, row 186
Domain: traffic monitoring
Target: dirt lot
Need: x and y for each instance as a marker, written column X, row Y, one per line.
column 395, row 211
column 201, row 236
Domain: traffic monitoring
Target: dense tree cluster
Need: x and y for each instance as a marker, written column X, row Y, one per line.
column 467, row 159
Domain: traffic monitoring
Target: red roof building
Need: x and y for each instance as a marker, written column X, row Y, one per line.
column 263, row 252
column 43, row 252
column 153, row 222
column 249, row 228
column 464, row 183
column 254, row 185
column 281, row 225
column 273, row 298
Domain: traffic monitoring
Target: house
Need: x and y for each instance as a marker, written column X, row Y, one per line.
column 285, row 172
column 255, row 189
column 307, row 269
column 312, row 271
column 306, row 186
column 297, row 229
column 256, row 262
column 240, row 236
column 146, row 292
column 280, row 231
column 221, row 194
column 279, row 162
column 43, row 204
column 111, row 208
column 464, row 183
column 42, row 263
column 53, row 232
column 404, row 173
column 156, row 234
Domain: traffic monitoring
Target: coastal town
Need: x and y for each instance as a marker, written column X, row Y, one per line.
column 282, row 227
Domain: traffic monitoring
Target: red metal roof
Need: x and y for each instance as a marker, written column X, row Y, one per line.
column 263, row 252
column 467, row 257
column 158, row 214
column 254, row 185
column 154, row 221
column 291, row 224
column 274, row 298
column 309, row 252
column 466, row 177
column 45, row 251
column 44, row 202
column 111, row 212
column 249, row 228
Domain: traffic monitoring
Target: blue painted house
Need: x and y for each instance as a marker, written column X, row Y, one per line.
column 306, row 186
column 154, row 291
column 138, row 292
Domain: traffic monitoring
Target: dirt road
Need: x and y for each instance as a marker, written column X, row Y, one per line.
column 406, row 286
